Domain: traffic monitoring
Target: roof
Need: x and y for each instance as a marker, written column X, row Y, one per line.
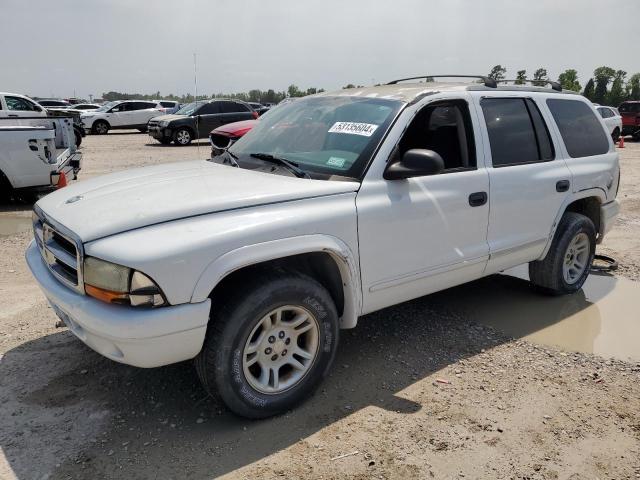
column 410, row 92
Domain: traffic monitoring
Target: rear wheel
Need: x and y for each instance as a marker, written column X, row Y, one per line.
column 270, row 345
column 182, row 137
column 100, row 127
column 566, row 266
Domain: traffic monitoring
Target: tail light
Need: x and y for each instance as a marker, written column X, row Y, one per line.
column 255, row 115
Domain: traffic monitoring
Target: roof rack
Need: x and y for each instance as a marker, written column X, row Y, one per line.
column 488, row 82
column 555, row 85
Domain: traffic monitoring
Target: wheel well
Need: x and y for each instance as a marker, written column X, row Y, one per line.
column 318, row 265
column 100, row 120
column 4, row 181
column 589, row 207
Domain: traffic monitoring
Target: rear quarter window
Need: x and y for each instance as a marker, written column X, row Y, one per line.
column 581, row 130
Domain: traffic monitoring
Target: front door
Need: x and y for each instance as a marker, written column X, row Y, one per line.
column 427, row 233
column 208, row 118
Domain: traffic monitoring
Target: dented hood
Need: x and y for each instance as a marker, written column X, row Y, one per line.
column 131, row 199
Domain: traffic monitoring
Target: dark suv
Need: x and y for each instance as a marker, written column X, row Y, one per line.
column 197, row 119
column 630, row 112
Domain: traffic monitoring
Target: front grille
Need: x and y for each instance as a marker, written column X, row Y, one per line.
column 60, row 252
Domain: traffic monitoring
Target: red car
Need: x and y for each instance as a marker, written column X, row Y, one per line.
column 630, row 112
column 223, row 137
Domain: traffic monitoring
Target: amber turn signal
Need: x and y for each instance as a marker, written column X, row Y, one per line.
column 106, row 295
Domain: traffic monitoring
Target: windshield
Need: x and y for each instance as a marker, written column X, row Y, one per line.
column 326, row 135
column 189, row 108
column 106, row 106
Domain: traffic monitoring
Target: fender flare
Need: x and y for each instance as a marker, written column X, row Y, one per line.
column 591, row 192
column 257, row 253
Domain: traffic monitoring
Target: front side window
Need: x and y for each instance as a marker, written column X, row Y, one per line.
column 517, row 132
column 580, row 129
column 327, row 135
column 209, row 108
column 446, row 129
column 19, row 104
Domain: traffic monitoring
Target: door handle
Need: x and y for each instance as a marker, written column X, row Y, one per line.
column 562, row 185
column 478, row 199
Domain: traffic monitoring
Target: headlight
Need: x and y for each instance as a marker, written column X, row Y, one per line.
column 114, row 283
column 163, row 123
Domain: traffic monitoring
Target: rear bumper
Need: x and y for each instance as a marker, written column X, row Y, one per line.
column 139, row 337
column 608, row 213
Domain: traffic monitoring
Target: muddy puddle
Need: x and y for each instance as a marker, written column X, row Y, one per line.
column 603, row 318
column 12, row 223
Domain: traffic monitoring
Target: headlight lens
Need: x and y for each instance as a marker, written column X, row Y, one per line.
column 164, row 123
column 114, row 283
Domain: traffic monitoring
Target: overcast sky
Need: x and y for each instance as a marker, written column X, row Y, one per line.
column 56, row 48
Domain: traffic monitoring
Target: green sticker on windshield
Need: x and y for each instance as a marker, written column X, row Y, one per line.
column 336, row 162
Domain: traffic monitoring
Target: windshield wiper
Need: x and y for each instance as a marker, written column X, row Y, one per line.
column 233, row 158
column 298, row 172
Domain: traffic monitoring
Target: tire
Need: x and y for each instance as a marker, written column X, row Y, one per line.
column 100, row 127
column 615, row 135
column 143, row 130
column 574, row 243
column 78, row 138
column 182, row 137
column 165, row 141
column 225, row 363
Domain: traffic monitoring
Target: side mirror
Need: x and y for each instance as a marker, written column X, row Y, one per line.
column 416, row 162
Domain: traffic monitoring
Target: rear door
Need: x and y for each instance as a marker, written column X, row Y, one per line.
column 208, row 117
column 529, row 180
column 145, row 111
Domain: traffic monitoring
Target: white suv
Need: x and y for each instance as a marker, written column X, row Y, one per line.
column 120, row 115
column 331, row 207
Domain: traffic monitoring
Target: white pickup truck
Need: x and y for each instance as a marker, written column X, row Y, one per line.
column 333, row 206
column 35, row 152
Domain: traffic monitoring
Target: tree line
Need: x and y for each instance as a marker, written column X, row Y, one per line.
column 607, row 86
column 255, row 95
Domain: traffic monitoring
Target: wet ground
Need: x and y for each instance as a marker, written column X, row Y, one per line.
column 603, row 318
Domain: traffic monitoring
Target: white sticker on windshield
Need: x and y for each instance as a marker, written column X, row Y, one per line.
column 364, row 129
column 336, row 162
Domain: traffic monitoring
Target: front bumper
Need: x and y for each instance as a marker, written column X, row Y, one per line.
column 608, row 213
column 159, row 133
column 142, row 337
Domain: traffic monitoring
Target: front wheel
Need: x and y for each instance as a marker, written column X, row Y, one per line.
column 143, row 130
column 182, row 137
column 566, row 266
column 100, row 127
column 270, row 345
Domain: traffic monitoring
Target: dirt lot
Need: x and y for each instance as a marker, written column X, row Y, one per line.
column 417, row 390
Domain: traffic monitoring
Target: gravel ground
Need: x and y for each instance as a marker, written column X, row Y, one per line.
column 416, row 391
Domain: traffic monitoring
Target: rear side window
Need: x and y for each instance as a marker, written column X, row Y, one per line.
column 233, row 107
column 629, row 108
column 581, row 130
column 168, row 104
column 517, row 132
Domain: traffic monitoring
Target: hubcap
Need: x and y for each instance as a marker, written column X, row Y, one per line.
column 183, row 136
column 102, row 128
column 280, row 349
column 576, row 258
